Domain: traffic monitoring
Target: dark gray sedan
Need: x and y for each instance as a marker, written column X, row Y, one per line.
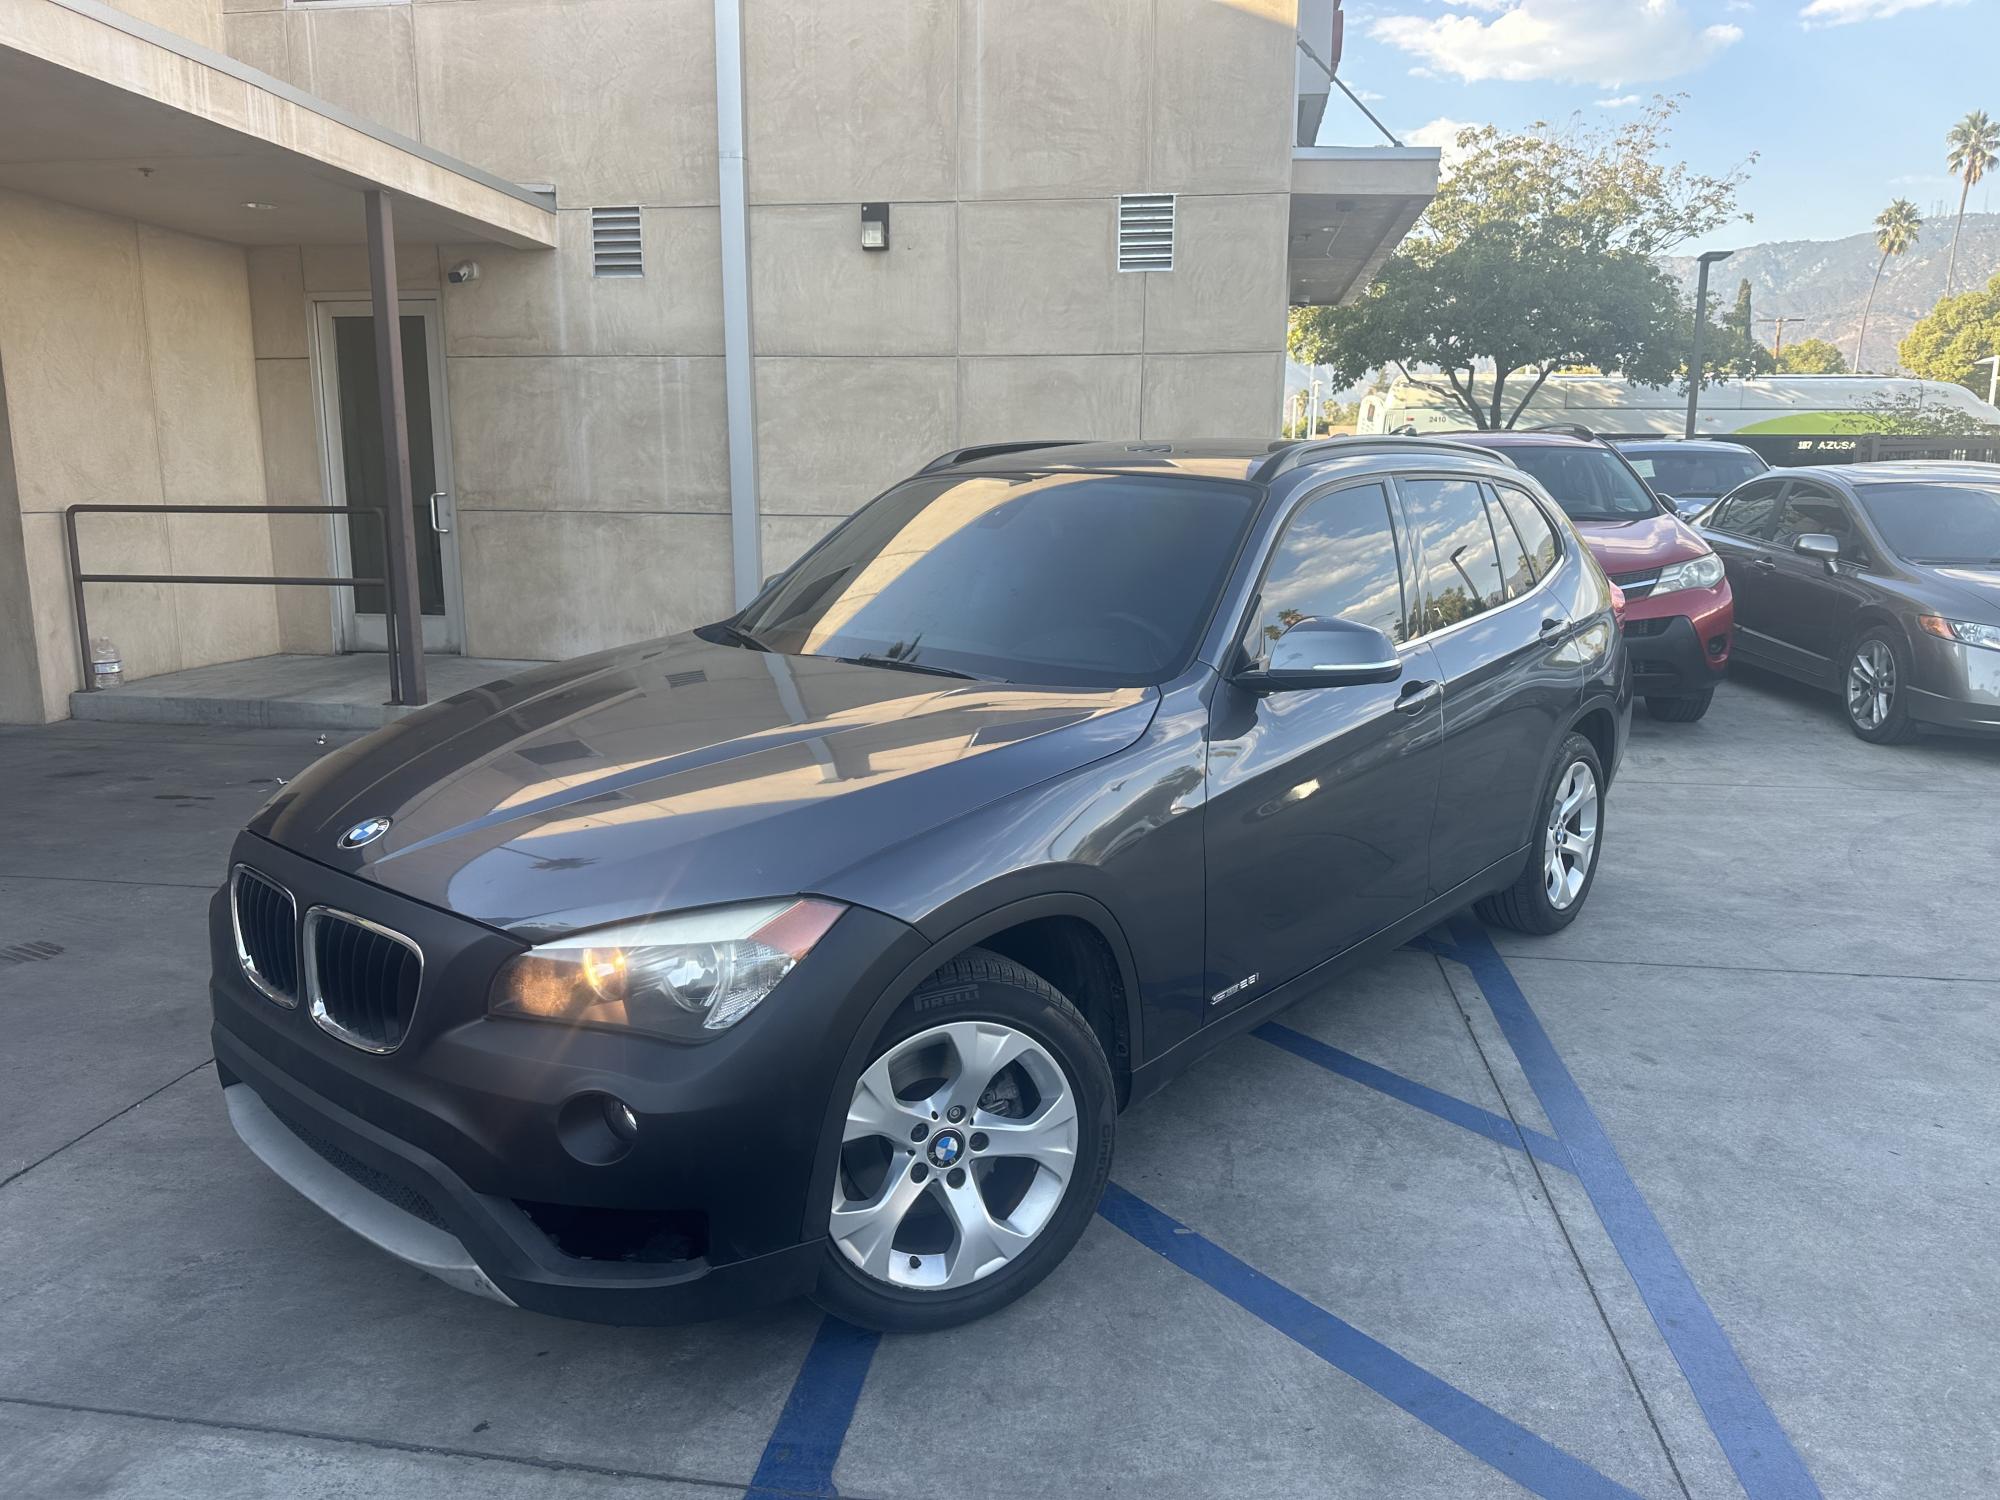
column 1879, row 581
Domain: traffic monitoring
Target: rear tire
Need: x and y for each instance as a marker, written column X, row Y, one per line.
column 1875, row 689
column 1563, row 864
column 936, row 1220
column 1681, row 710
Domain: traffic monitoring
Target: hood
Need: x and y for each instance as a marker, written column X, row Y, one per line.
column 1978, row 583
column 679, row 773
column 1641, row 544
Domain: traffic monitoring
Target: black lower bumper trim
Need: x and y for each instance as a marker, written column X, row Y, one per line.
column 1669, row 660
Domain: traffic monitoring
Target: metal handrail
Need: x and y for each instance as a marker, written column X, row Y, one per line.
column 78, row 578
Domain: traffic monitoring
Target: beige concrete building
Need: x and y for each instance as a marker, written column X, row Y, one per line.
column 1095, row 214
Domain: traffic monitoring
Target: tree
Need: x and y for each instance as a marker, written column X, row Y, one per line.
column 1909, row 415
column 1896, row 230
column 1975, row 150
column 1537, row 254
column 1952, row 337
column 1739, row 316
column 1811, row 357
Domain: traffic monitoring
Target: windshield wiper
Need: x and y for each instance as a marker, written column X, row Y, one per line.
column 741, row 636
column 904, row 664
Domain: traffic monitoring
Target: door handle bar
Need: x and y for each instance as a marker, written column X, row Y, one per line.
column 1417, row 696
column 436, row 524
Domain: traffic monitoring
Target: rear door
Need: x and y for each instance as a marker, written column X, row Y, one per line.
column 1320, row 802
column 1509, row 683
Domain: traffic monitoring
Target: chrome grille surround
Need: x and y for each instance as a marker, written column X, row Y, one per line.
column 369, row 1012
column 271, row 929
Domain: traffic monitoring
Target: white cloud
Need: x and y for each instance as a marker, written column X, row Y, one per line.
column 1847, row 12
column 1620, row 101
column 1606, row 42
column 1443, row 133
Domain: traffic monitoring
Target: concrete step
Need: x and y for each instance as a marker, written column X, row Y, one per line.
column 283, row 692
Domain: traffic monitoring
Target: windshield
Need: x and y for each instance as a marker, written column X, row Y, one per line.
column 1060, row 579
column 1696, row 473
column 1589, row 483
column 1937, row 523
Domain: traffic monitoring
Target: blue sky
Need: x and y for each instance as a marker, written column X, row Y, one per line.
column 1847, row 101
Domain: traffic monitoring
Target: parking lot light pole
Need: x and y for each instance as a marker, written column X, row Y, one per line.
column 1695, row 369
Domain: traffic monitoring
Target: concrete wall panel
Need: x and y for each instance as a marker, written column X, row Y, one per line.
column 1043, row 278
column 549, row 584
column 834, row 433
column 197, row 20
column 786, row 538
column 344, row 268
column 530, row 302
column 1223, row 111
column 1213, row 395
column 362, row 58
column 851, row 100
column 584, row 434
column 277, row 301
column 292, row 476
column 1048, row 396
column 816, row 291
column 263, row 39
column 1226, row 292
column 613, row 101
column 1052, row 98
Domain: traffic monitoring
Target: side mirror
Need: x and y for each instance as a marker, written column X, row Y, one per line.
column 1317, row 653
column 1818, row 544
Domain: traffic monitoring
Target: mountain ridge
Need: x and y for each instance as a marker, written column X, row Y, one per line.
column 1825, row 283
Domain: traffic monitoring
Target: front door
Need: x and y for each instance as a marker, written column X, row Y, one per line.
column 1812, row 606
column 1320, row 802
column 352, row 422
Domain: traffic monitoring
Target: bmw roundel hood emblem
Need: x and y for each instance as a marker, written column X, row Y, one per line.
column 364, row 832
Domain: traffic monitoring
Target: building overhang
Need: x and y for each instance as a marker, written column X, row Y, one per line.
column 106, row 112
column 1351, row 207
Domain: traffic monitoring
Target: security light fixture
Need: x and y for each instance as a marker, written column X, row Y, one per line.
column 874, row 226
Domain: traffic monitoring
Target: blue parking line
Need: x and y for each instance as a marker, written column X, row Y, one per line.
column 806, row 1443
column 1497, row 1128
column 1528, row 1460
column 1755, row 1445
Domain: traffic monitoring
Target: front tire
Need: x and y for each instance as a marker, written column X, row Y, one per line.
column 1874, row 690
column 1681, row 710
column 1551, row 890
column 975, row 1147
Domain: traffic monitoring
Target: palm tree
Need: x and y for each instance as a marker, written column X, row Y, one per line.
column 1896, row 229
column 1975, row 148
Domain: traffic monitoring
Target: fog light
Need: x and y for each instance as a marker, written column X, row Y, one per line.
column 618, row 1115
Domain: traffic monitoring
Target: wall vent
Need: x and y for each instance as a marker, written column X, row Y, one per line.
column 1146, row 232
column 614, row 243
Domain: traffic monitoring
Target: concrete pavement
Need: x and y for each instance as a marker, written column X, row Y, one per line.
column 1782, row 1007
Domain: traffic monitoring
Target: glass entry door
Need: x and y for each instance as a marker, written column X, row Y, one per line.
column 351, row 418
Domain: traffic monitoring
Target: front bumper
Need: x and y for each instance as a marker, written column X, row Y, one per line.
column 1679, row 644
column 1957, row 686
column 447, row 1151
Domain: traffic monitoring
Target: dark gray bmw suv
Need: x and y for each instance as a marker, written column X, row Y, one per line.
column 816, row 951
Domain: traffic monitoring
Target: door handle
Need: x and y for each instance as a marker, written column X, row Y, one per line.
column 1550, row 626
column 1763, row 565
column 437, row 524
column 1417, row 696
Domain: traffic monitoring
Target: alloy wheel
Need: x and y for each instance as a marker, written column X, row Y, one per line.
column 1571, row 843
column 1871, row 684
column 958, row 1148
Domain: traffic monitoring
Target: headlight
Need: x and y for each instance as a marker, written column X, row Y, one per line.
column 688, row 975
column 1969, row 632
column 1703, row 572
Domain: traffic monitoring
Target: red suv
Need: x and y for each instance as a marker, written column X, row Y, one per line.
column 1679, row 617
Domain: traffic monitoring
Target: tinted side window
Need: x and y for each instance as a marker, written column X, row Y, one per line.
column 1751, row 512
column 1536, row 531
column 1808, row 509
column 1336, row 560
column 1461, row 564
column 1517, row 574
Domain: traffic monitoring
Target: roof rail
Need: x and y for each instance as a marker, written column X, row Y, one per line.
column 1285, row 457
column 1565, row 429
column 959, row 456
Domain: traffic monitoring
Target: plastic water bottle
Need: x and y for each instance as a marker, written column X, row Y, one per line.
column 107, row 670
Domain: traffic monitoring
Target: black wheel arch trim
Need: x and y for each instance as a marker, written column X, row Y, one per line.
column 967, row 934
